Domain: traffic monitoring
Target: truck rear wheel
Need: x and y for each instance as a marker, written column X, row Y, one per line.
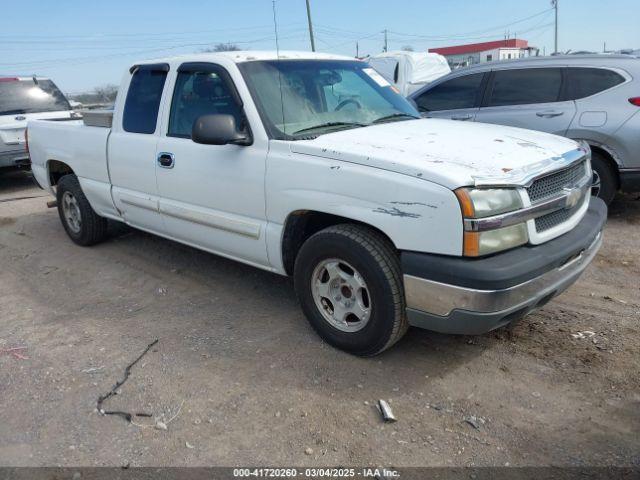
column 83, row 225
column 347, row 278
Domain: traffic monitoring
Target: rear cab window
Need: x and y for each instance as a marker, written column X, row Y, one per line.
column 143, row 98
column 583, row 82
column 457, row 93
column 28, row 95
column 525, row 86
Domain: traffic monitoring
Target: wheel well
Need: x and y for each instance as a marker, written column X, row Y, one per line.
column 300, row 225
column 57, row 170
column 609, row 159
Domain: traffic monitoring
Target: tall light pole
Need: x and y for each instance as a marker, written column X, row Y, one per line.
column 313, row 44
column 554, row 4
column 386, row 43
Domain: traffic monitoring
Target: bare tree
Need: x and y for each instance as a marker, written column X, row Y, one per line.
column 223, row 47
column 407, row 48
column 104, row 94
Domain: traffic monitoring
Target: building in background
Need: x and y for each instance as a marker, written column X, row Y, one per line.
column 472, row 53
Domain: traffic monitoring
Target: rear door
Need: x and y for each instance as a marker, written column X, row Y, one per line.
column 602, row 108
column 132, row 148
column 457, row 98
column 528, row 98
column 211, row 196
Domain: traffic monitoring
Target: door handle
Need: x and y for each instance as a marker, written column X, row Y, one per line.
column 166, row 160
column 549, row 113
column 465, row 116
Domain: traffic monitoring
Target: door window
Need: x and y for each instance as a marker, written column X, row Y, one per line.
column 525, row 86
column 200, row 93
column 584, row 82
column 460, row 92
column 143, row 100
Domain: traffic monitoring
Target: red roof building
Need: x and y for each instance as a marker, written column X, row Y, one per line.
column 471, row 53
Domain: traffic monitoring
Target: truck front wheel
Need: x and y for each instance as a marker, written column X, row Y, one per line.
column 348, row 280
column 83, row 225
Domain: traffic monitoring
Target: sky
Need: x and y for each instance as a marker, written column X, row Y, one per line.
column 82, row 44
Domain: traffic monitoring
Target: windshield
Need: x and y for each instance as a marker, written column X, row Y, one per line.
column 26, row 96
column 302, row 98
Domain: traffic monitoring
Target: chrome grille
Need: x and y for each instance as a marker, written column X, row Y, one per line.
column 554, row 183
column 553, row 219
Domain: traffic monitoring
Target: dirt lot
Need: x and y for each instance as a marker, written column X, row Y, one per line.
column 256, row 384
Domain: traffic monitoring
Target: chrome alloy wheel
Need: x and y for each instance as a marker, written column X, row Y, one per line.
column 71, row 212
column 595, row 185
column 341, row 295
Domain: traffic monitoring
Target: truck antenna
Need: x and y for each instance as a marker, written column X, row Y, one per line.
column 275, row 27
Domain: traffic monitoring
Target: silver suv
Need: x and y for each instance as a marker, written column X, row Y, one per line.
column 595, row 98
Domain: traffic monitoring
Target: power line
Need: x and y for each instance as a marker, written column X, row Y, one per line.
column 107, row 36
column 483, row 37
column 92, row 58
column 469, row 34
column 331, row 47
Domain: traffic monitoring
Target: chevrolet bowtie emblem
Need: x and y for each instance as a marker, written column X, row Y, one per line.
column 572, row 197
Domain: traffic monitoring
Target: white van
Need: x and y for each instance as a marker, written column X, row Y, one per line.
column 410, row 71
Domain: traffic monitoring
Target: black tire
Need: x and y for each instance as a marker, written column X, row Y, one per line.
column 605, row 174
column 372, row 255
column 92, row 227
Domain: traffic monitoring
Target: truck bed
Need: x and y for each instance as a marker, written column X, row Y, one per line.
column 84, row 147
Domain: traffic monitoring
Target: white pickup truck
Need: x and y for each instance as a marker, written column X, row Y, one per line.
column 313, row 166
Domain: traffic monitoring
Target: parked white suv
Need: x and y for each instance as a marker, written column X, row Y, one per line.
column 313, row 166
column 23, row 99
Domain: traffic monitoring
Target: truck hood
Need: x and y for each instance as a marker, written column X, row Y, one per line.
column 448, row 152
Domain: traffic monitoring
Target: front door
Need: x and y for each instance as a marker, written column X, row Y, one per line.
column 456, row 99
column 211, row 196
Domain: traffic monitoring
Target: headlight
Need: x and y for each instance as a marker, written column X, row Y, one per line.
column 477, row 244
column 488, row 202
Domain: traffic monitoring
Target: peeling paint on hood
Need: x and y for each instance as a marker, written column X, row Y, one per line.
column 446, row 152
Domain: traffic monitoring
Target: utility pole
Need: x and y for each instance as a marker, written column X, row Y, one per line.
column 554, row 4
column 386, row 44
column 313, row 44
column 357, row 50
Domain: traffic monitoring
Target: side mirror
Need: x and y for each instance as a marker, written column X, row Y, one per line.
column 218, row 129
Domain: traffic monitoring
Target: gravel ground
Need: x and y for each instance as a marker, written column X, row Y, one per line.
column 239, row 377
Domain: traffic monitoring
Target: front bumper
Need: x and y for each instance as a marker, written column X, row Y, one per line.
column 474, row 296
column 14, row 158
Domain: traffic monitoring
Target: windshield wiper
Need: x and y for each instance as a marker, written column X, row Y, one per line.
column 330, row 124
column 393, row 116
column 13, row 112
